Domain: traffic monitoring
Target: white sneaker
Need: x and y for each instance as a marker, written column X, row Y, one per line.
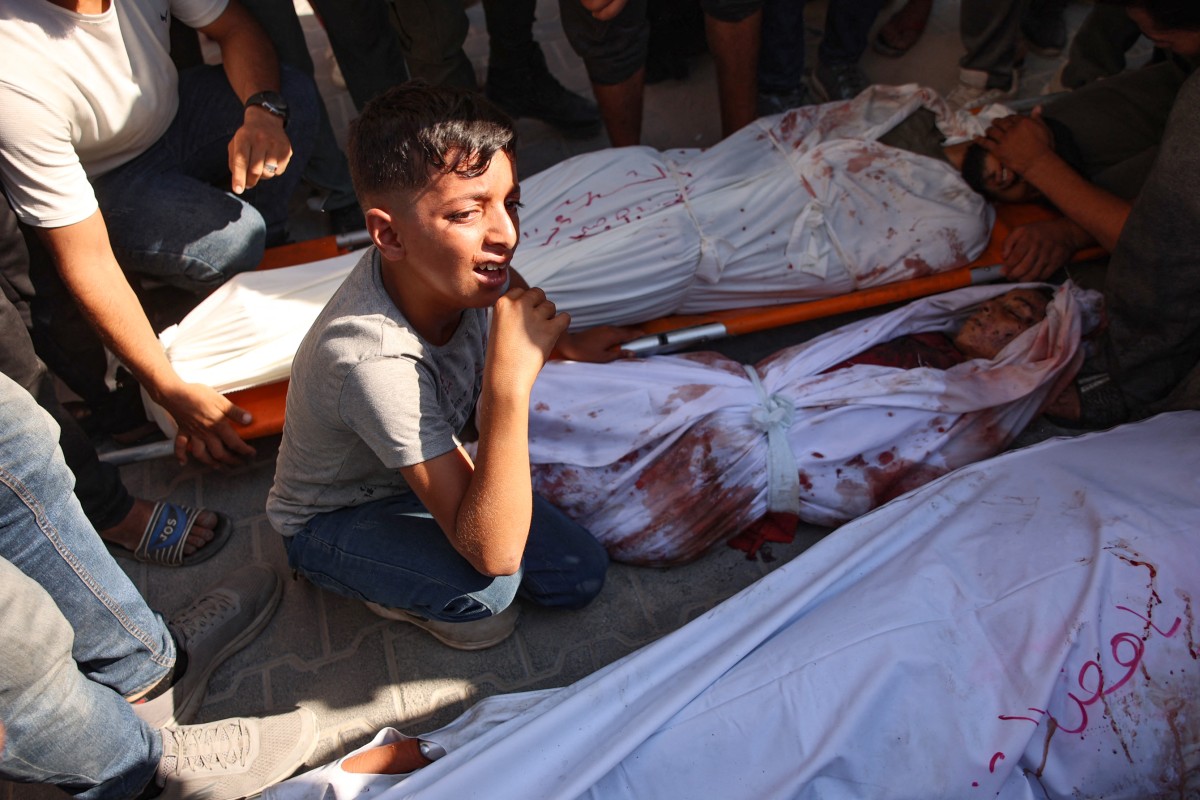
column 973, row 91
column 220, row 622
column 234, row 758
column 475, row 635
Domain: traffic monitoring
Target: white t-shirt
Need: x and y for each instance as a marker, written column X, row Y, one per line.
column 82, row 94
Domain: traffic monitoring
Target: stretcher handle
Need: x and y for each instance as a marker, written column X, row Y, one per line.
column 752, row 320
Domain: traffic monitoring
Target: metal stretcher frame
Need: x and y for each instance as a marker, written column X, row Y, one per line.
column 266, row 403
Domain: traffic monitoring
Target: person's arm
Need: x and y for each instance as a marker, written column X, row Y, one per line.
column 1025, row 145
column 597, row 345
column 251, row 66
column 485, row 508
column 90, row 271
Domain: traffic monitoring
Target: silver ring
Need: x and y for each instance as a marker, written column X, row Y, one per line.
column 270, row 168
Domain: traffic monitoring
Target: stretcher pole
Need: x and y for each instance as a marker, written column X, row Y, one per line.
column 750, row 320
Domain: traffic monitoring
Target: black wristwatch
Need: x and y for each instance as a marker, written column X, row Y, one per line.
column 273, row 102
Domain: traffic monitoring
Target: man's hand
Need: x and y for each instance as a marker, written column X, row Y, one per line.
column 1019, row 142
column 596, row 345
column 1036, row 251
column 203, row 416
column 525, row 328
column 604, row 10
column 259, row 150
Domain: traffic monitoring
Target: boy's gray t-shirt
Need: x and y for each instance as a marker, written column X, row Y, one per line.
column 368, row 396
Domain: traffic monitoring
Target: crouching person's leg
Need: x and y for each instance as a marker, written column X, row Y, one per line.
column 564, row 564
column 61, row 727
column 392, row 555
column 79, row 642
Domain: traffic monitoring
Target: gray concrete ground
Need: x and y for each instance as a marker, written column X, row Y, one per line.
column 358, row 672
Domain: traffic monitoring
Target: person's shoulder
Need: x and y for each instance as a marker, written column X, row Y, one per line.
column 358, row 323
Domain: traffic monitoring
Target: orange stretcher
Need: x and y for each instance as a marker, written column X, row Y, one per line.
column 266, row 403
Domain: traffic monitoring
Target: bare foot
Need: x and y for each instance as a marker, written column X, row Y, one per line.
column 129, row 531
column 397, row 758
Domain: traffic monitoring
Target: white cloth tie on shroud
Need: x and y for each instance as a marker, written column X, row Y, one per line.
column 1023, row 628
column 797, row 206
column 660, row 458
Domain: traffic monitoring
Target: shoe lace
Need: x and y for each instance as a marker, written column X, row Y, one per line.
column 193, row 622
column 216, row 747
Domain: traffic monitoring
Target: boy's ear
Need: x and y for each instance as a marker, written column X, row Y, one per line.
column 383, row 234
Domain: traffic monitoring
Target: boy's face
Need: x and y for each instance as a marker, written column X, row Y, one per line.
column 1000, row 320
column 998, row 181
column 457, row 236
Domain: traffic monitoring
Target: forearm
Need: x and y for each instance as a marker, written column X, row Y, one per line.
column 247, row 55
column 90, row 272
column 493, row 519
column 1099, row 213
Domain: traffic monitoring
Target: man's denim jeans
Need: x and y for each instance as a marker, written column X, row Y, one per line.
column 77, row 636
column 392, row 552
column 169, row 212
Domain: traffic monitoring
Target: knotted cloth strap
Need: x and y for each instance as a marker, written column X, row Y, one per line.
column 714, row 253
column 774, row 417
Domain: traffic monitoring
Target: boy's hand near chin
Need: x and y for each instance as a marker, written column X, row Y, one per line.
column 525, row 328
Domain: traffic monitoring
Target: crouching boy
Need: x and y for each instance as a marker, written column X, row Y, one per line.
column 374, row 493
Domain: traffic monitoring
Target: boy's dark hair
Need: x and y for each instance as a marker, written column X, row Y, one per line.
column 413, row 131
column 1170, row 14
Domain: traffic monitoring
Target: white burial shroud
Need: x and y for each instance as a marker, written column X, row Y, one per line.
column 660, row 458
column 795, row 207
column 1023, row 628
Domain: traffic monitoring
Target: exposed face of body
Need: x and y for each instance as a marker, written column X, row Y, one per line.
column 982, row 169
column 452, row 245
column 1000, row 320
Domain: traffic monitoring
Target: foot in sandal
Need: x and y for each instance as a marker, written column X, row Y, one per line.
column 167, row 534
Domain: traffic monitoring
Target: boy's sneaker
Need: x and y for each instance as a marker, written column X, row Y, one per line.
column 234, row 758
column 974, row 92
column 475, row 635
column 220, row 622
column 838, row 81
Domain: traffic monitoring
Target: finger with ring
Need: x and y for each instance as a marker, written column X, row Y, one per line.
column 270, row 168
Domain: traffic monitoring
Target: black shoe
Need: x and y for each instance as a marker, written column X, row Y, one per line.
column 838, row 81
column 529, row 90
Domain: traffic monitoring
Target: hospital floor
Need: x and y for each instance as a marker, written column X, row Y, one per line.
column 358, row 672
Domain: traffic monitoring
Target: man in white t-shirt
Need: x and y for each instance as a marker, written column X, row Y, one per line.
column 116, row 160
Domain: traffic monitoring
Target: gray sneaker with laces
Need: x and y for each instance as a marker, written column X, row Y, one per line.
column 478, row 634
column 220, row 622
column 234, row 758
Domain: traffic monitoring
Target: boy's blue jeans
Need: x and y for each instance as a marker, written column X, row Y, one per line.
column 77, row 636
column 392, row 552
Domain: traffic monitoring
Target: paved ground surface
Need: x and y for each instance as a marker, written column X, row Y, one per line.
column 359, row 672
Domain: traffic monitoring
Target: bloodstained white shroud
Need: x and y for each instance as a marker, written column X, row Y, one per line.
column 662, row 457
column 795, row 207
column 1022, row 628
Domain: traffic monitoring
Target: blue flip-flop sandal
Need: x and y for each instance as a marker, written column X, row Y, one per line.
column 166, row 534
